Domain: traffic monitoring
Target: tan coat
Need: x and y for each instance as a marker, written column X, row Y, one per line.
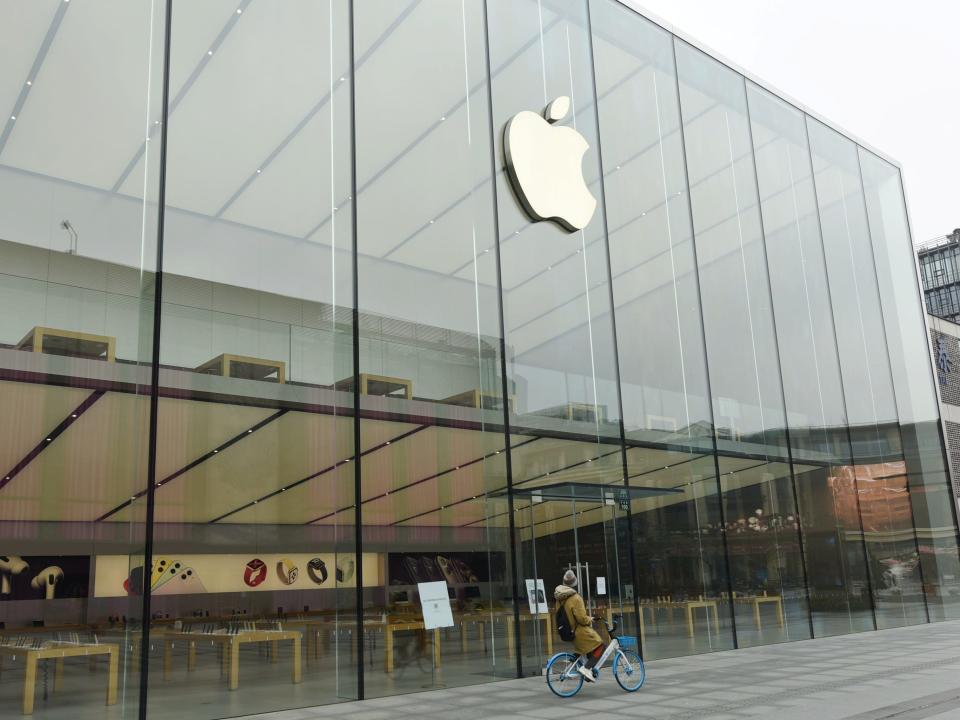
column 585, row 638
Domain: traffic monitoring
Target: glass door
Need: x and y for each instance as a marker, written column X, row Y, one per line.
column 579, row 527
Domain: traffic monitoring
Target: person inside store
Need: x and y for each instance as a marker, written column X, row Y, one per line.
column 586, row 640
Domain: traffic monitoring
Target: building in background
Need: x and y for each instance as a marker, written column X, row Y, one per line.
column 940, row 272
column 945, row 355
column 281, row 348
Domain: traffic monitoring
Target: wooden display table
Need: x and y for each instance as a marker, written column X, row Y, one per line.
column 477, row 399
column 245, row 368
column 757, row 601
column 58, row 652
column 69, row 343
column 230, row 647
column 381, row 385
column 708, row 607
column 392, row 627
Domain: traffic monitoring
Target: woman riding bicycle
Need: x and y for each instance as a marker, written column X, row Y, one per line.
column 586, row 640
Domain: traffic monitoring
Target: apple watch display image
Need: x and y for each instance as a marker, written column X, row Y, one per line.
column 287, row 571
column 255, row 572
column 185, row 582
column 345, row 569
column 317, row 571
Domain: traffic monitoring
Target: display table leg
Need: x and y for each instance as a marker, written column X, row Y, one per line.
column 463, row 637
column 191, row 655
column 756, row 614
column 780, row 616
column 274, row 651
column 29, row 684
column 388, row 644
column 436, row 647
column 689, row 621
column 113, row 672
column 57, row 674
column 548, row 621
column 234, row 650
column 297, row 676
column 167, row 658
column 716, row 619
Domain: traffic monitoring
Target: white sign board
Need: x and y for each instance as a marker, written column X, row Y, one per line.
column 435, row 604
column 601, row 585
column 537, row 596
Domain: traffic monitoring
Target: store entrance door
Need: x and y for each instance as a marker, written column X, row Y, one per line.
column 583, row 528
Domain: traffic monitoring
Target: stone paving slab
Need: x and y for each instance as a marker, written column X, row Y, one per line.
column 902, row 674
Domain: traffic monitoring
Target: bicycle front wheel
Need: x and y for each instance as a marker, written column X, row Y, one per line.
column 628, row 670
column 562, row 675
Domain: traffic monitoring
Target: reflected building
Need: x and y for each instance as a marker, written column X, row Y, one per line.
column 281, row 344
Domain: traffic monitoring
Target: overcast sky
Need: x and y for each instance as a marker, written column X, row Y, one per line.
column 888, row 72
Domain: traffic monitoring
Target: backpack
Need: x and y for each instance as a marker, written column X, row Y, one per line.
column 564, row 629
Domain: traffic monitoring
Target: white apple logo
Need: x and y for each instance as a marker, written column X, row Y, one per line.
column 544, row 163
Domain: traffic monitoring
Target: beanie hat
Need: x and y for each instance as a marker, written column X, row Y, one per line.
column 570, row 579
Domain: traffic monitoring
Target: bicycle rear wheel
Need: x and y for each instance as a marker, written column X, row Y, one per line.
column 628, row 670
column 562, row 676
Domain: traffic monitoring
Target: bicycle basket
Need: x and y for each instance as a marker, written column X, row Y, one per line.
column 627, row 642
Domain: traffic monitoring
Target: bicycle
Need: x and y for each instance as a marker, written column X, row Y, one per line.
column 563, row 669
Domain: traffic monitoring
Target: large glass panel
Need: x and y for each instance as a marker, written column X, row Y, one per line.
column 766, row 571
column 934, row 511
column 667, row 414
column 77, row 86
column 813, row 391
column 254, row 571
column 560, row 354
column 879, row 480
column 430, row 373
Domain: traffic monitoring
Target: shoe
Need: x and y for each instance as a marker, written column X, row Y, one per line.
column 587, row 673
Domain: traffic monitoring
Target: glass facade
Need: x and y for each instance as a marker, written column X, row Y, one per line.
column 280, row 345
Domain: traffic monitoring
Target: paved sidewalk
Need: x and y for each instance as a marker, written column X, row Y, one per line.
column 904, row 674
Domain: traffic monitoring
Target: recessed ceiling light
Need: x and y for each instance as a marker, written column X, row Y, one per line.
column 388, row 442
column 13, row 117
column 74, row 415
column 209, row 52
column 342, row 78
column 259, row 170
column 239, row 11
column 250, row 430
column 49, row 439
column 216, row 451
column 442, row 118
column 29, row 82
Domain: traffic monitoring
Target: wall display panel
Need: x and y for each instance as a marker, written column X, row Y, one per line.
column 77, row 341
column 835, row 563
column 430, row 345
column 254, row 437
column 666, row 403
column 196, row 574
column 927, row 468
column 742, row 348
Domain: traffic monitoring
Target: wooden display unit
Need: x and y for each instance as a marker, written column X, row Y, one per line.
column 245, row 368
column 69, row 343
column 477, row 399
column 381, row 385
column 583, row 412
